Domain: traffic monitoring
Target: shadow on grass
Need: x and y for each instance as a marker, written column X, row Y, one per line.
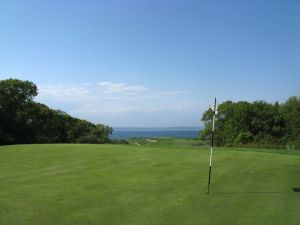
column 253, row 192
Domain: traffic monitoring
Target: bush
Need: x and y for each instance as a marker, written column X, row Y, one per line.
column 118, row 141
column 243, row 138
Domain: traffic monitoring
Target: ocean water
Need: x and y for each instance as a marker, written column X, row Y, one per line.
column 126, row 133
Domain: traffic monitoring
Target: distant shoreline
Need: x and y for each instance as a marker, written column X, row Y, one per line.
column 158, row 128
column 151, row 132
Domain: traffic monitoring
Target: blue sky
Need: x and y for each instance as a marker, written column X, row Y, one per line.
column 151, row 63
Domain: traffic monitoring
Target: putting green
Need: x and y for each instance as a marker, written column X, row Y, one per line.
column 146, row 185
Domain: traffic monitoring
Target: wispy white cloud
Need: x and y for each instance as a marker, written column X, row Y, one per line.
column 66, row 93
column 110, row 87
column 116, row 100
column 113, row 109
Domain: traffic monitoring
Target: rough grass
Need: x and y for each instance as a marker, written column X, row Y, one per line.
column 156, row 184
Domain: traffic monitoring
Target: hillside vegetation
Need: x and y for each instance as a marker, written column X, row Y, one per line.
column 24, row 121
column 257, row 124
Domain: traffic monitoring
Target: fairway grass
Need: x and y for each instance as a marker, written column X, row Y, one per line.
column 65, row 184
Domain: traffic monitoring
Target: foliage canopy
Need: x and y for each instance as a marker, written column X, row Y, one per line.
column 259, row 124
column 24, row 121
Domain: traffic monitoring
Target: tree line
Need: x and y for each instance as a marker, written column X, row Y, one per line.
column 257, row 124
column 23, row 120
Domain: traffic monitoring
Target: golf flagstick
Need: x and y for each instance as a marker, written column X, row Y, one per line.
column 212, row 142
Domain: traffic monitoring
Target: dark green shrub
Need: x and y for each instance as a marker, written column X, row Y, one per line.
column 243, row 138
column 118, row 141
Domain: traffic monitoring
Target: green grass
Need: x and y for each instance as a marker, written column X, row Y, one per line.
column 167, row 142
column 162, row 183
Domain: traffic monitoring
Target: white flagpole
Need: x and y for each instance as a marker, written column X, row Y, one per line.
column 212, row 143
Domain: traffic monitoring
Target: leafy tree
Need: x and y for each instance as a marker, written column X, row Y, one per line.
column 255, row 124
column 102, row 132
column 291, row 113
column 24, row 121
column 15, row 97
column 78, row 129
column 99, row 134
column 243, row 139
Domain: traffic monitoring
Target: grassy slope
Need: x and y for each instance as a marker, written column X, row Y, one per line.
column 145, row 185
